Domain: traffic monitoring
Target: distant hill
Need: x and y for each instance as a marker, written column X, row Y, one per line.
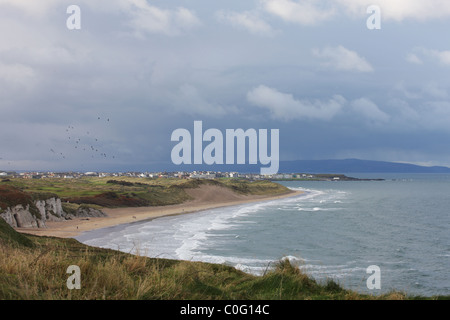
column 313, row 166
column 356, row 166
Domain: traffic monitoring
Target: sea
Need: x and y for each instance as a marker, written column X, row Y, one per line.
column 335, row 230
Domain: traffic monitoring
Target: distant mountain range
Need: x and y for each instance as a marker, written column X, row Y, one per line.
column 318, row 166
column 356, row 166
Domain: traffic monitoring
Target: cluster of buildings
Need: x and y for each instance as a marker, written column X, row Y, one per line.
column 179, row 175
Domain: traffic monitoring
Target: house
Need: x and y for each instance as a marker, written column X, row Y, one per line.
column 202, row 175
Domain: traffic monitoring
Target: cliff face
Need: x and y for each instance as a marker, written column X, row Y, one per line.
column 18, row 216
column 37, row 214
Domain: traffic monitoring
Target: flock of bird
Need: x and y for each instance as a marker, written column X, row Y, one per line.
column 87, row 143
column 83, row 142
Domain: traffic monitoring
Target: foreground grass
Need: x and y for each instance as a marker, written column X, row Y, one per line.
column 40, row 273
column 35, row 268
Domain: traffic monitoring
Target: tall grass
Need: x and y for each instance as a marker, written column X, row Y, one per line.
column 39, row 272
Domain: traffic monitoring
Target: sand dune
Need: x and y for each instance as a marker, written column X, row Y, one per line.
column 205, row 197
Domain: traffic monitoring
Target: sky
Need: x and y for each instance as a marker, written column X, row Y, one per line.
column 107, row 96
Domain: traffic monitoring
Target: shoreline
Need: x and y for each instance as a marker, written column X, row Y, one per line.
column 118, row 216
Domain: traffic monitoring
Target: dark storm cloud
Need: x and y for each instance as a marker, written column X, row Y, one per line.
column 334, row 88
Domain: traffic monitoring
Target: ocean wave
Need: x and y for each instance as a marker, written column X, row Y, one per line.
column 335, row 271
column 317, row 209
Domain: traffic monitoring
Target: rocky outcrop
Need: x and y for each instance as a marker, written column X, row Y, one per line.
column 89, row 212
column 37, row 214
column 21, row 217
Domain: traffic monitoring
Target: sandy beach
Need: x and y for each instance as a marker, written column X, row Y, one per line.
column 204, row 198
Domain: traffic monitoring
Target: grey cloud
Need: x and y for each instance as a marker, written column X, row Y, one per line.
column 341, row 58
column 248, row 20
column 369, row 110
column 300, row 12
column 283, row 106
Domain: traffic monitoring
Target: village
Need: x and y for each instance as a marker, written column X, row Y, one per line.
column 176, row 175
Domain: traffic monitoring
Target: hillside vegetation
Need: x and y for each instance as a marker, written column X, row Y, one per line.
column 126, row 192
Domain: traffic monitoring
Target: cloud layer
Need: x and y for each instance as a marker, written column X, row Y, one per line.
column 309, row 68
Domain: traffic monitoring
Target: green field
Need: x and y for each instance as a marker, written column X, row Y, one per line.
column 131, row 192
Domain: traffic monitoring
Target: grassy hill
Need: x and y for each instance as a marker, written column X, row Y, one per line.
column 10, row 237
column 129, row 192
